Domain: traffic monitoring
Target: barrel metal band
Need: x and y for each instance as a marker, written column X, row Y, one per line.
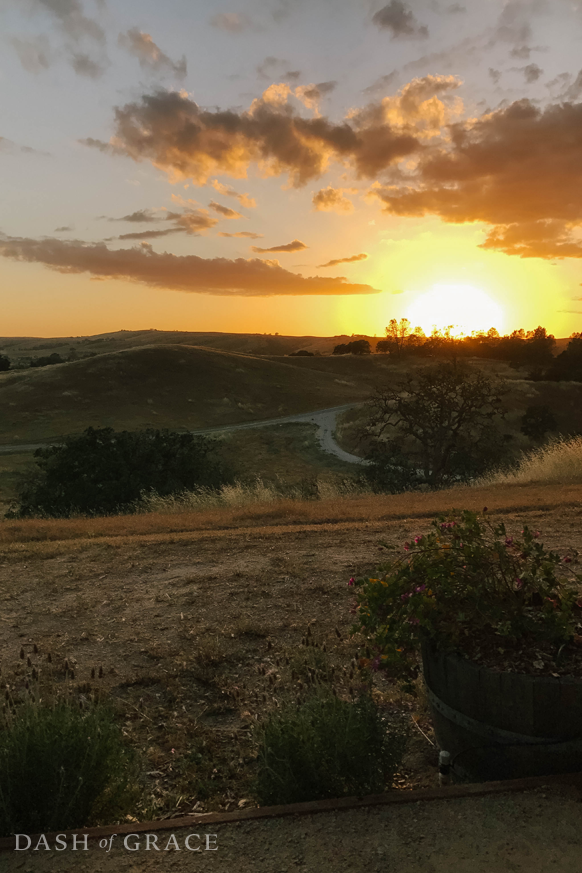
column 498, row 735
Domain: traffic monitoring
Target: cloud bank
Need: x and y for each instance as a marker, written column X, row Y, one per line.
column 219, row 276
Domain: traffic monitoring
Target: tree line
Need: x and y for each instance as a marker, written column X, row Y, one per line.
column 533, row 348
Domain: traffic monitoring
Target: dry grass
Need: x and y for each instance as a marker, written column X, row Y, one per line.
column 559, row 462
column 285, row 514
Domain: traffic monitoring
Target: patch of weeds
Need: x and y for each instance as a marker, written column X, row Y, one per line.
column 325, row 747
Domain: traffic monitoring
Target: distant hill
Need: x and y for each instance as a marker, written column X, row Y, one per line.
column 242, row 343
column 175, row 386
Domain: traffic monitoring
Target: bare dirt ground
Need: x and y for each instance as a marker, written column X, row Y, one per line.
column 199, row 631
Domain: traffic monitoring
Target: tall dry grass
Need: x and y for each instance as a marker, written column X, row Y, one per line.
column 241, row 494
column 559, row 462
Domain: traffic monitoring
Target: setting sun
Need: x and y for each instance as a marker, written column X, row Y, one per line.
column 464, row 307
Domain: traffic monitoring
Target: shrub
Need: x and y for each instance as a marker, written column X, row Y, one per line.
column 103, row 471
column 468, row 586
column 558, row 462
column 61, row 768
column 537, row 421
column 326, row 747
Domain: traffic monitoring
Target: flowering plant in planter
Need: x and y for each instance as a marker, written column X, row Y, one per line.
column 469, row 587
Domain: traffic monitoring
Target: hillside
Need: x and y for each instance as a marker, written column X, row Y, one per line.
column 242, row 343
column 173, row 386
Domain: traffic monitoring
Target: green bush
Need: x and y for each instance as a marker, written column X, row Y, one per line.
column 104, row 471
column 61, row 768
column 326, row 747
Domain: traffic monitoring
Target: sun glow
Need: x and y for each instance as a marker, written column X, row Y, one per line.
column 464, row 307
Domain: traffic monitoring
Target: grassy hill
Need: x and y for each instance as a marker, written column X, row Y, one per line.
column 242, row 343
column 160, row 386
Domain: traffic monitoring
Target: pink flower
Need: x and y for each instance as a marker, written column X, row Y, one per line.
column 406, row 547
column 509, row 541
column 420, row 588
column 519, row 583
column 536, row 534
column 405, row 596
column 417, row 539
column 351, row 582
column 567, row 560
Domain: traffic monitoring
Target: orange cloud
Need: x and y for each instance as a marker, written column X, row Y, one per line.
column 225, row 211
column 361, row 257
column 295, row 246
column 221, row 276
column 332, row 200
column 517, row 168
column 244, row 199
column 176, row 135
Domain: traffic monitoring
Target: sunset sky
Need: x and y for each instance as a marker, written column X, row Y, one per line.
column 290, row 166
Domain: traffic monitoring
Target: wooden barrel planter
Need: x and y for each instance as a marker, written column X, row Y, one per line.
column 503, row 725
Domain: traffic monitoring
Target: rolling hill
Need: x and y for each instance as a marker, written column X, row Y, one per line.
column 175, row 386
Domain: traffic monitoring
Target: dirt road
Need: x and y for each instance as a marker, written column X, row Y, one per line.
column 325, row 419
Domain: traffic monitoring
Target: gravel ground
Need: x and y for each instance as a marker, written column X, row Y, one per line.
column 536, row 831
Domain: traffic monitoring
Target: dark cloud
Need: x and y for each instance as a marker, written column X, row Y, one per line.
column 277, row 68
column 244, row 199
column 517, row 168
column 332, row 200
column 193, row 221
column 225, row 211
column 140, row 216
column 34, row 54
column 220, row 276
column 242, row 233
column 362, row 257
column 532, row 73
column 382, row 84
column 72, row 20
column 494, row 75
column 400, row 20
column 178, row 136
column 105, row 147
column 63, row 229
column 84, row 65
column 295, row 246
column 575, row 89
column 231, row 22
column 149, row 55
column 311, row 95
column 150, row 234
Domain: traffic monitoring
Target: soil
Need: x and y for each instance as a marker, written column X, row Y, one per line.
column 198, row 634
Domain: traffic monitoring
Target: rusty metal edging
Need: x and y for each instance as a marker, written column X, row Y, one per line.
column 450, row 792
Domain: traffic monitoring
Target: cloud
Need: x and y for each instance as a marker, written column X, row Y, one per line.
column 242, row 233
column 271, row 68
column 10, row 147
column 532, row 73
column 244, row 199
column 86, row 66
column 192, row 221
column 295, row 246
column 139, row 216
column 382, row 84
column 221, row 276
column 35, row 54
column 397, row 18
column 63, row 229
column 362, row 257
column 231, row 22
column 225, row 211
column 310, row 95
column 332, row 200
column 494, row 75
column 149, row 55
column 71, row 19
column 176, row 135
column 517, row 168
column 455, row 8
